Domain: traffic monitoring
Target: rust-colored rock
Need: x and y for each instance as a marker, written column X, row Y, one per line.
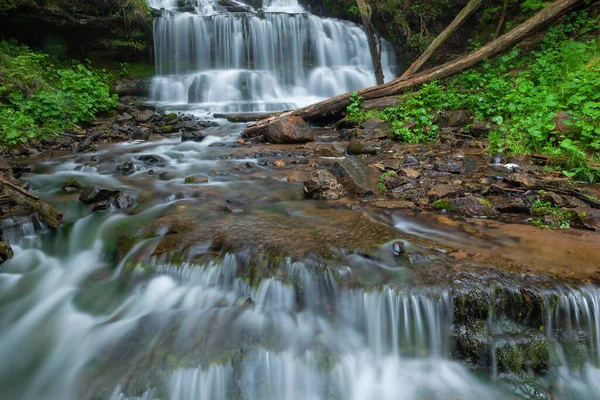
column 289, row 130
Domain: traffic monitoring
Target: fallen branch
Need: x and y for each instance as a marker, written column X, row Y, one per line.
column 336, row 105
column 502, row 19
column 568, row 192
column 19, row 196
column 87, row 141
column 465, row 13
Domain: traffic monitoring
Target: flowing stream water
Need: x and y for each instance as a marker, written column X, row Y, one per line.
column 82, row 319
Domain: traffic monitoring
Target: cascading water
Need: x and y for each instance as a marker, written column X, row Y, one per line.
column 278, row 59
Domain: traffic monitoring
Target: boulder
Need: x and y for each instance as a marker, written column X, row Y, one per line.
column 94, row 194
column 132, row 87
column 374, row 129
column 357, row 147
column 588, row 217
column 195, row 136
column 144, row 116
column 469, row 206
column 71, row 186
column 126, row 168
column 122, row 200
column 6, row 252
column 152, row 159
column 322, row 184
column 141, row 133
column 356, row 176
column 288, row 131
column 448, row 167
column 195, row 180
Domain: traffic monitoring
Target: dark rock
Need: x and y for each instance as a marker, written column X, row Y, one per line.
column 322, row 184
column 232, row 210
column 102, row 206
column 152, row 159
column 374, row 129
column 6, row 252
column 126, row 168
column 6, row 170
column 71, row 186
column 380, row 103
column 553, row 198
column 144, row 116
column 94, row 194
column 521, row 179
column 469, row 206
column 167, row 176
column 509, row 204
column 124, row 117
column 588, row 217
column 409, row 161
column 327, row 151
column 403, row 188
column 448, row 167
column 441, row 191
column 140, row 133
column 196, row 136
column 480, row 129
column 453, row 119
column 356, row 176
column 343, row 124
column 470, row 164
column 392, row 180
column 132, row 87
column 289, row 130
column 357, row 147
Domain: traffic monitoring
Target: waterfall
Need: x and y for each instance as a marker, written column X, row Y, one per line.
column 278, row 59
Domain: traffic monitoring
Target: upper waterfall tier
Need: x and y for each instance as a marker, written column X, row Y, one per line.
column 268, row 61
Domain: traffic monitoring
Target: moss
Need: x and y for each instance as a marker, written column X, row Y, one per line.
column 444, row 204
column 485, row 202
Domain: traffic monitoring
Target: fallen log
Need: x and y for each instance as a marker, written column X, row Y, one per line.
column 245, row 117
column 21, row 197
column 335, row 105
column 462, row 16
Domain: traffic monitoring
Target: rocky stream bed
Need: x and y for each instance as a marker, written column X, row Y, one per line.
column 303, row 263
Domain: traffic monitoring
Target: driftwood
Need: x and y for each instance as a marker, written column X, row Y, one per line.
column 245, row 117
column 336, row 105
column 21, row 197
column 465, row 13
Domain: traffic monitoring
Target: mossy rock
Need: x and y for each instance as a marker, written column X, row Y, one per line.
column 469, row 206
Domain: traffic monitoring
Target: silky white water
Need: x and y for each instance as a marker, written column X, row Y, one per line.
column 282, row 58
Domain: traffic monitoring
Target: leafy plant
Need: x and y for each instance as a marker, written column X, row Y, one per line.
column 353, row 111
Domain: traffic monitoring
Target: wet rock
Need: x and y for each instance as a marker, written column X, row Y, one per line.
column 374, row 129
column 144, row 116
column 410, row 173
column 165, row 129
column 403, row 187
column 102, row 206
column 71, row 186
column 393, row 180
column 509, row 204
column 6, row 252
column 553, row 198
column 441, row 191
column 327, row 151
column 124, row 117
column 448, row 167
column 588, row 217
column 323, row 185
column 521, row 179
column 132, row 87
column 344, row 123
column 394, row 204
column 195, row 180
column 356, row 176
column 410, row 161
column 453, row 119
column 126, row 168
column 480, row 129
column 357, row 147
column 196, row 136
column 470, row 164
column 469, row 206
column 167, row 176
column 232, row 210
column 94, row 194
column 122, row 200
column 141, row 133
column 289, row 130
column 6, row 170
column 279, row 163
column 398, row 249
column 152, row 159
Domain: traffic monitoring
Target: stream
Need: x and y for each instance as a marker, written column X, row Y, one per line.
column 104, row 308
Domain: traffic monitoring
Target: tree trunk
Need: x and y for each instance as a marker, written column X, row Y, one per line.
column 375, row 46
column 502, row 19
column 19, row 196
column 465, row 13
column 337, row 104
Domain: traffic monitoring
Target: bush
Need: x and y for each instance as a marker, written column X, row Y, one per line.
column 39, row 97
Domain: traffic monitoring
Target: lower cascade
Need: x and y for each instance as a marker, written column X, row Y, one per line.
column 214, row 59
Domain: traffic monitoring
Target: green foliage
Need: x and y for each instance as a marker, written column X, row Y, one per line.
column 550, row 215
column 39, row 97
column 354, row 109
column 381, row 184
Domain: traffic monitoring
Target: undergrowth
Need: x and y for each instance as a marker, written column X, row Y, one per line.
column 544, row 101
column 40, row 96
